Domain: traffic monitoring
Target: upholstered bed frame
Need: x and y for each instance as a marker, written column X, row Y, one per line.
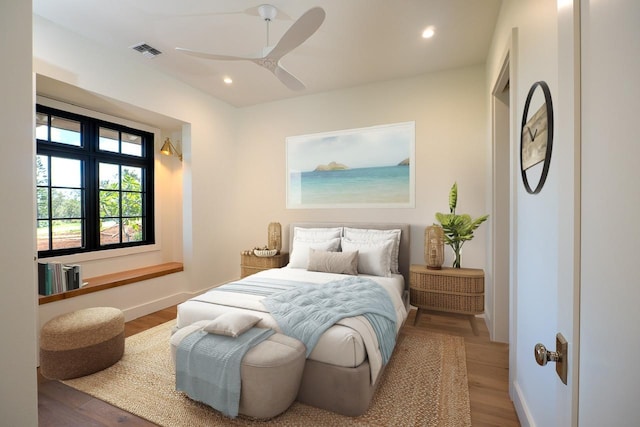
column 347, row 391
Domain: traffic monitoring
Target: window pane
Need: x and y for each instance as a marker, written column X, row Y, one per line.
column 131, row 204
column 109, row 231
column 67, row 234
column 66, row 172
column 42, row 199
column 109, row 204
column 42, row 126
column 109, row 176
column 109, row 140
column 131, row 144
column 43, row 235
column 131, row 178
column 42, row 170
column 65, row 131
column 132, row 230
column 66, row 203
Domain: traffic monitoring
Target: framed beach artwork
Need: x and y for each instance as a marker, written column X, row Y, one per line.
column 369, row 167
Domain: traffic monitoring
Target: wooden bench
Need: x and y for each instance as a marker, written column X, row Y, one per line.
column 113, row 280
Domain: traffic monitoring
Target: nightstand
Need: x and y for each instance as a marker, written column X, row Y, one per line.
column 458, row 291
column 250, row 264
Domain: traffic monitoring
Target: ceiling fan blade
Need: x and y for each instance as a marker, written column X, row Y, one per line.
column 288, row 79
column 300, row 31
column 252, row 11
column 212, row 55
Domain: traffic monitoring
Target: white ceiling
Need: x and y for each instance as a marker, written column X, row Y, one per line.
column 360, row 41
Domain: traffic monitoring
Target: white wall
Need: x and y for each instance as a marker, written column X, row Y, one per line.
column 450, row 117
column 18, row 404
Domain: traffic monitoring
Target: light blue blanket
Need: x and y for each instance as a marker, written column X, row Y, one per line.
column 208, row 367
column 261, row 286
column 307, row 311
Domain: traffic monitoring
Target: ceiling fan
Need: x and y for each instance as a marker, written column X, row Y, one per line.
column 270, row 57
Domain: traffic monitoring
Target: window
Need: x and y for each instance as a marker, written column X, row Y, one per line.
column 94, row 184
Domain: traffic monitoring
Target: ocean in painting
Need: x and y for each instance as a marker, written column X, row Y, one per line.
column 373, row 185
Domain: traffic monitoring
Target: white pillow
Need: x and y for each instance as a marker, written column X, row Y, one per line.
column 374, row 258
column 231, row 324
column 299, row 257
column 333, row 262
column 317, row 234
column 369, row 235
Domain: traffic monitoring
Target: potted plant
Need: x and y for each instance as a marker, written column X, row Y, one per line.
column 458, row 229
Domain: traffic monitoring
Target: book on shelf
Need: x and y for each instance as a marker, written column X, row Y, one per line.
column 55, row 277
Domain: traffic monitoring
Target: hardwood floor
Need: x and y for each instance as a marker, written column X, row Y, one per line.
column 487, row 367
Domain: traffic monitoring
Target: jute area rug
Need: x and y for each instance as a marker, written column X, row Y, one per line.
column 425, row 384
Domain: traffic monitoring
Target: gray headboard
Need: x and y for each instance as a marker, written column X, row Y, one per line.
column 404, row 255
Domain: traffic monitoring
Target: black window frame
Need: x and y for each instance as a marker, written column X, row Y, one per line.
column 91, row 156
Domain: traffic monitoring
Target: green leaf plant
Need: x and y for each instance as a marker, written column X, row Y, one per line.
column 458, row 229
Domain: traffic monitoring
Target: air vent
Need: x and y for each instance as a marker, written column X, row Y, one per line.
column 146, row 50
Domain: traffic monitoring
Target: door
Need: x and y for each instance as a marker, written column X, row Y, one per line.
column 545, row 278
column 610, row 288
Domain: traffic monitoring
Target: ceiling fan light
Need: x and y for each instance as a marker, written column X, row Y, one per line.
column 267, row 12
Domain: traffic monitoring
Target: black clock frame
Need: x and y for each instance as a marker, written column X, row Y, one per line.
column 547, row 159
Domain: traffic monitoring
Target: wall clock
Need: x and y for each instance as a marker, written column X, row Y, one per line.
column 536, row 136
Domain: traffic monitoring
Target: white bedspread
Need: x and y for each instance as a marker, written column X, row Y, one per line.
column 345, row 344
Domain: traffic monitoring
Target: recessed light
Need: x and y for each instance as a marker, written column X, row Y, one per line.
column 227, row 80
column 428, row 32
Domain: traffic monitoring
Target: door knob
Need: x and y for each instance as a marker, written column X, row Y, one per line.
column 543, row 356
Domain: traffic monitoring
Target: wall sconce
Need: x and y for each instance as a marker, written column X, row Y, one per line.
column 169, row 150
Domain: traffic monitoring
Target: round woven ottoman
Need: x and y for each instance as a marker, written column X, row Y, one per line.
column 81, row 342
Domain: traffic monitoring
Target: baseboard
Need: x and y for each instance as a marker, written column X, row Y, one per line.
column 155, row 305
column 160, row 304
column 488, row 320
column 524, row 415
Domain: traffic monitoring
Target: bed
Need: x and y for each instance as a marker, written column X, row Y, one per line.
column 343, row 369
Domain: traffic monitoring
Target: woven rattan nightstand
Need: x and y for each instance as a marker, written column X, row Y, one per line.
column 459, row 291
column 250, row 264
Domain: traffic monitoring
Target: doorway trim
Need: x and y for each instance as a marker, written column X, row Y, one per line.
column 501, row 130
